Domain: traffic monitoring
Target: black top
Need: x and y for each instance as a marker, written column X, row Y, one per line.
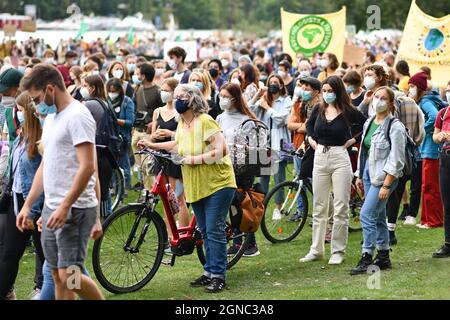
column 214, row 109
column 290, row 87
column 171, row 125
column 357, row 101
column 337, row 131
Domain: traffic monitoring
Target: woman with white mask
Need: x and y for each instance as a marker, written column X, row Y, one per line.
column 119, row 71
column 374, row 77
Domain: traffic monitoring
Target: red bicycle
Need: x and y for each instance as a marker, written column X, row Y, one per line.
column 135, row 237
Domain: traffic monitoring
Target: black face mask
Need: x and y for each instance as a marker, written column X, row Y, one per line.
column 274, row 89
column 214, row 73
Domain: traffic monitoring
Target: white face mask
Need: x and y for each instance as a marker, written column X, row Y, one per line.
column 50, row 61
column 448, row 96
column 113, row 95
column 369, row 83
column 282, row 74
column 298, row 92
column 159, row 72
column 236, row 81
column 95, row 72
column 304, row 74
column 85, row 93
column 172, row 64
column 324, row 63
column 413, row 92
column 118, row 74
column 225, row 103
column 166, row 96
column 225, row 63
column 379, row 105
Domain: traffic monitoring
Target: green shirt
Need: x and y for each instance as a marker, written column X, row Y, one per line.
column 202, row 180
column 368, row 137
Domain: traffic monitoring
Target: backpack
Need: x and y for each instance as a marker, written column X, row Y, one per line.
column 250, row 152
column 410, row 147
column 107, row 130
column 247, row 209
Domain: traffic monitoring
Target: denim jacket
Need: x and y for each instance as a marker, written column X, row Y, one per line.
column 27, row 169
column 126, row 113
column 383, row 158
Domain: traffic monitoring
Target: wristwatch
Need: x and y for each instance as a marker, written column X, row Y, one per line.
column 386, row 187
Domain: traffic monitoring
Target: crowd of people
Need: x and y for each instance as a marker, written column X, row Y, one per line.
column 69, row 115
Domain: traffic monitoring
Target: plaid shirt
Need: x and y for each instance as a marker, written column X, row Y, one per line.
column 2, row 117
column 410, row 114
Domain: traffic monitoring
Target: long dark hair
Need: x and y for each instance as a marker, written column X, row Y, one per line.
column 116, row 84
column 283, row 92
column 99, row 86
column 342, row 103
column 250, row 76
column 238, row 100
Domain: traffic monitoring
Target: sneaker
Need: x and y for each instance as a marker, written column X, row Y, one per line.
column 201, row 282
column 276, row 214
column 336, row 258
column 310, row 257
column 328, row 236
column 363, row 265
column 252, row 251
column 443, row 252
column 35, row 294
column 298, row 216
column 233, row 250
column 404, row 213
column 11, row 295
column 382, row 260
column 392, row 238
column 216, row 285
column 410, row 221
column 423, row 226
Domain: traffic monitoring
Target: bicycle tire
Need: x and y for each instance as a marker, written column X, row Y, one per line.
column 157, row 222
column 268, row 234
column 119, row 188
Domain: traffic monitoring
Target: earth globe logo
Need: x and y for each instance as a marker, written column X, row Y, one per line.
column 434, row 42
column 310, row 34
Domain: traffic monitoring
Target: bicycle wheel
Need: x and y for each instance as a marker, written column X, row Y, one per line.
column 232, row 236
column 286, row 228
column 122, row 267
column 116, row 188
column 356, row 202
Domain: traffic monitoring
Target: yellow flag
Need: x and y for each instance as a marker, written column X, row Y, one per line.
column 309, row 33
column 426, row 42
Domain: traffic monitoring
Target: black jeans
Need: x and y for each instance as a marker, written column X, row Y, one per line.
column 395, row 199
column 416, row 190
column 12, row 246
column 444, row 180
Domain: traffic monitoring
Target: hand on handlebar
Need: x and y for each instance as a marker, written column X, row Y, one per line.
column 144, row 144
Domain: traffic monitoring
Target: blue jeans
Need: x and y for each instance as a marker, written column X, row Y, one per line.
column 48, row 286
column 279, row 176
column 297, row 167
column 125, row 165
column 211, row 214
column 373, row 217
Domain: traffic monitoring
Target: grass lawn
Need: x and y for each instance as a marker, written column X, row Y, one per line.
column 277, row 273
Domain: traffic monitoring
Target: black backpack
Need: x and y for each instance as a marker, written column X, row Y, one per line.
column 108, row 131
column 410, row 147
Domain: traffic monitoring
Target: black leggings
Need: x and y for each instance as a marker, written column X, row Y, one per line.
column 395, row 199
column 12, row 246
column 444, row 180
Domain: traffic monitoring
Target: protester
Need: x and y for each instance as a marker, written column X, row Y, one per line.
column 249, row 82
column 374, row 78
column 380, row 165
column 74, row 89
column 432, row 215
column 179, row 71
column 226, row 59
column 215, row 71
column 160, row 69
column 329, row 64
column 71, row 60
column 202, row 80
column 118, row 71
column 403, row 76
column 284, row 68
column 200, row 141
column 329, row 131
column 9, row 87
column 353, row 82
column 66, row 176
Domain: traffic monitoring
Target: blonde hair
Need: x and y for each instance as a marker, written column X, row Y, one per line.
column 205, row 79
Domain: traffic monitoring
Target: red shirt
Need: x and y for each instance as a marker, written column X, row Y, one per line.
column 443, row 123
column 66, row 74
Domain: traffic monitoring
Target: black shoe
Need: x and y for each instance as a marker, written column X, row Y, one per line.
column 405, row 213
column 382, row 260
column 216, row 285
column 392, row 238
column 363, row 265
column 251, row 251
column 201, row 282
column 443, row 252
column 233, row 250
column 298, row 216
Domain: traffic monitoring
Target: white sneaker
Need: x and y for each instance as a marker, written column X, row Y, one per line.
column 276, row 214
column 35, row 294
column 410, row 221
column 310, row 257
column 336, row 258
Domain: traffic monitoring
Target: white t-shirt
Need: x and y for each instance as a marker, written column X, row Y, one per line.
column 62, row 132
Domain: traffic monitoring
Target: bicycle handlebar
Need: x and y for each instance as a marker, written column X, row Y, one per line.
column 169, row 157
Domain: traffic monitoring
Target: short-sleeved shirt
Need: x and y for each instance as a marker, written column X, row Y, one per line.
column 368, row 138
column 443, row 123
column 62, row 132
column 202, row 180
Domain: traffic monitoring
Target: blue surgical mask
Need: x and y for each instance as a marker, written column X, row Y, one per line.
column 181, row 106
column 136, row 80
column 306, row 95
column 46, row 109
column 350, row 89
column 199, row 85
column 131, row 67
column 329, row 97
column 20, row 117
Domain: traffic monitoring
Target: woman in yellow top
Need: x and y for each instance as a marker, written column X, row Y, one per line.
column 208, row 178
column 329, row 64
column 403, row 75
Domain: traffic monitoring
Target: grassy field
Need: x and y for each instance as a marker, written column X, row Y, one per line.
column 277, row 273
